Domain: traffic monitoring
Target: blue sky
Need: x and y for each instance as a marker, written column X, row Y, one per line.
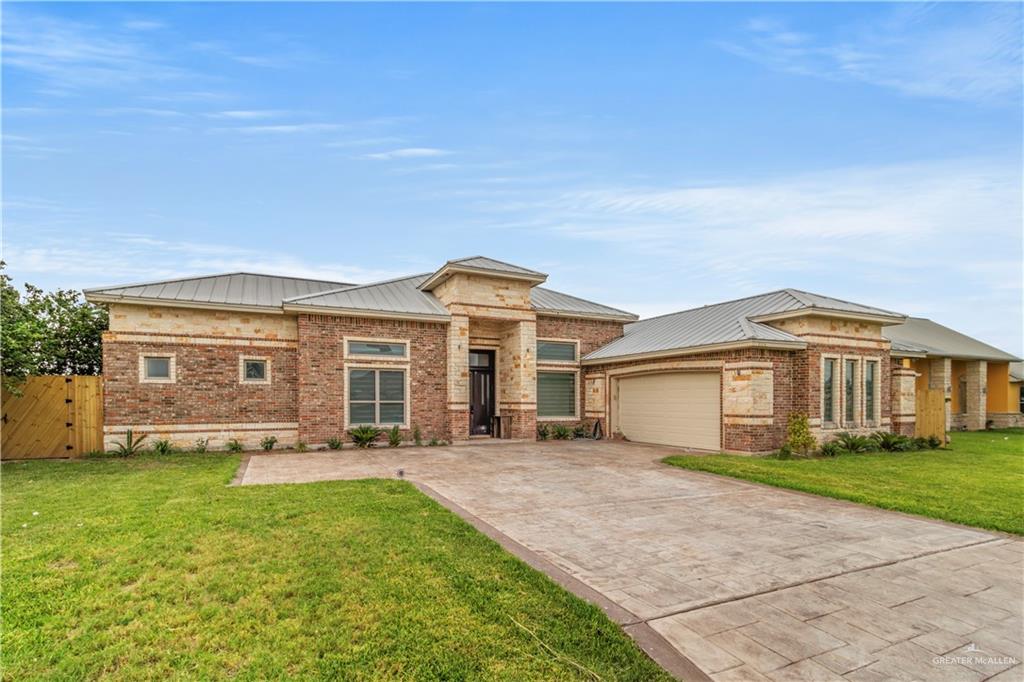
column 654, row 157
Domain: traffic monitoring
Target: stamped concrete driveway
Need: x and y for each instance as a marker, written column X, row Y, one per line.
column 748, row 582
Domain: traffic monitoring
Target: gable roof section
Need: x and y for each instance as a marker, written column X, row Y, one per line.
column 1017, row 371
column 731, row 322
column 548, row 301
column 392, row 298
column 931, row 338
column 483, row 266
column 234, row 289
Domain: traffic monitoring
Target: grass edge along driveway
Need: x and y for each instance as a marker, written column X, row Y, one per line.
column 152, row 567
column 978, row 480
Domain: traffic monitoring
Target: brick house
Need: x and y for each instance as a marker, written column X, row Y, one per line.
column 479, row 349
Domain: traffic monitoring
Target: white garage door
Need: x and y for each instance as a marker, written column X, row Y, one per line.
column 680, row 409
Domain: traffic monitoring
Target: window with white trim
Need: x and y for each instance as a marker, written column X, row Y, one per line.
column 156, row 368
column 871, row 391
column 850, row 391
column 828, row 391
column 556, row 351
column 254, row 370
column 376, row 397
column 556, row 395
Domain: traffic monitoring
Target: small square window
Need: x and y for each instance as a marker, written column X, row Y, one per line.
column 158, row 367
column 255, row 370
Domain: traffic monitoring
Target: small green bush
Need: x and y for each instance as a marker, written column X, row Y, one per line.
column 394, row 437
column 364, row 436
column 268, row 443
column 561, row 432
column 798, row 434
column 830, row 449
column 785, row 452
column 433, row 443
column 130, row 446
column 853, row 443
column 234, row 445
column 201, row 445
column 934, row 442
column 579, row 431
column 335, row 443
column 417, row 435
column 543, row 432
column 301, row 446
column 163, row 447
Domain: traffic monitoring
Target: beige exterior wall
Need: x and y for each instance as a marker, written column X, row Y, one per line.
column 828, row 330
column 482, row 296
column 748, row 393
column 517, row 367
column 201, row 322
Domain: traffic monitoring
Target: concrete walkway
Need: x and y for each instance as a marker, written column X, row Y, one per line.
column 748, row 582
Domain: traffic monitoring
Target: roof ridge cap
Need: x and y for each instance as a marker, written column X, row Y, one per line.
column 502, row 262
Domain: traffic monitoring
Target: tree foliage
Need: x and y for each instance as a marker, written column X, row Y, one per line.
column 48, row 333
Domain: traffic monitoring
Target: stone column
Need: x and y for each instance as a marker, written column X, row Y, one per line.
column 904, row 400
column 458, row 377
column 518, row 380
column 940, row 375
column 977, row 394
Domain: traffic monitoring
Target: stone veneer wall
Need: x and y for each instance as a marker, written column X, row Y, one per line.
column 321, row 373
column 904, row 398
column 206, row 400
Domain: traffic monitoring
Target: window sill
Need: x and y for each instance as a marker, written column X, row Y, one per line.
column 568, row 417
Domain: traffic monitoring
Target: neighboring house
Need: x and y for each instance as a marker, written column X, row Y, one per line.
column 477, row 349
column 961, row 383
column 1016, row 380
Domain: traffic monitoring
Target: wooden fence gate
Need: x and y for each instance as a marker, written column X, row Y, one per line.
column 53, row 417
column 930, row 404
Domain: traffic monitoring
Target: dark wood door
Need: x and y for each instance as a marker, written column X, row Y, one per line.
column 481, row 392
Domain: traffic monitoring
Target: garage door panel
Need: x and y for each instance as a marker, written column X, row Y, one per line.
column 680, row 409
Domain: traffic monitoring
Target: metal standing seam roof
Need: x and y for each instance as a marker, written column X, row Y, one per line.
column 485, row 263
column 548, row 300
column 727, row 322
column 234, row 288
column 934, row 339
column 392, row 296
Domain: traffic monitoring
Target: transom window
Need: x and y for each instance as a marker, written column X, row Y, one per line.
column 556, row 351
column 850, row 391
column 378, row 349
column 556, row 395
column 828, row 391
column 157, row 367
column 376, row 397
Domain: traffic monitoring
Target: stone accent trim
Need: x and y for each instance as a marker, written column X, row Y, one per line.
column 217, row 435
column 190, row 340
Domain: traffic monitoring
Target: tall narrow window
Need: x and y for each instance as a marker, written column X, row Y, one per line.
column 850, row 391
column 828, row 392
column 870, row 382
column 962, row 398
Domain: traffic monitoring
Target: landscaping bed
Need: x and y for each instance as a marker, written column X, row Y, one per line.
column 151, row 566
column 978, row 479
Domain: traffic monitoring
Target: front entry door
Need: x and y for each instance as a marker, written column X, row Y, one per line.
column 481, row 391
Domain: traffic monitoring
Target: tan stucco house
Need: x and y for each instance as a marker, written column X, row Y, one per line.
column 479, row 348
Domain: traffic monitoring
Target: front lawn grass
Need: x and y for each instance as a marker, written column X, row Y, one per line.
column 152, row 568
column 978, row 480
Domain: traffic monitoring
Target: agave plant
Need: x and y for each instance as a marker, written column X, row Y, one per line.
column 130, row 446
column 364, row 436
column 853, row 443
column 561, row 432
column 163, row 447
column 394, row 437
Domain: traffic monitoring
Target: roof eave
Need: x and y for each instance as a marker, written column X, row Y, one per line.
column 449, row 269
column 908, row 354
column 362, row 312
column 879, row 318
column 93, row 297
column 693, row 350
column 610, row 317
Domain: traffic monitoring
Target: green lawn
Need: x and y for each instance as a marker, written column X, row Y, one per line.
column 978, row 480
column 153, row 568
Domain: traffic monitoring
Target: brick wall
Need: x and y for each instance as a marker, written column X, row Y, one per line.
column 592, row 334
column 321, row 373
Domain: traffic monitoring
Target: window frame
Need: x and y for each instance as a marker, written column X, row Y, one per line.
column 347, row 354
column 856, row 398
column 837, row 386
column 576, row 395
column 242, row 379
column 377, row 369
column 873, row 419
column 575, row 343
column 961, row 397
column 172, row 369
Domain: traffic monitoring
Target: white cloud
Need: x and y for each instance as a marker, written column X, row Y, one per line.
column 408, row 153
column 142, row 25
column 288, row 128
column 249, row 114
column 966, row 51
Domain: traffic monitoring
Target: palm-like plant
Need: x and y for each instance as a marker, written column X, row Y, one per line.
column 364, row 436
column 130, row 446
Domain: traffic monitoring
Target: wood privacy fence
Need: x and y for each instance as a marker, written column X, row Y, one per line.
column 930, row 405
column 53, row 417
